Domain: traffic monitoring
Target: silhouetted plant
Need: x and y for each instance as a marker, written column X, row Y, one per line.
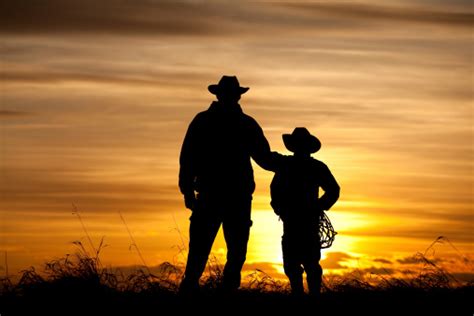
column 262, row 282
column 82, row 275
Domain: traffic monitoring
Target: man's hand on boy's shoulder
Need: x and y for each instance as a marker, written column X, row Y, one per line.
column 276, row 155
column 276, row 160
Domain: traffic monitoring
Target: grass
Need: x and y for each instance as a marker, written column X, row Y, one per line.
column 81, row 284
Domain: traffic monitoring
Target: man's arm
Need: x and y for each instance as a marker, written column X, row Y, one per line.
column 187, row 162
column 261, row 151
column 331, row 189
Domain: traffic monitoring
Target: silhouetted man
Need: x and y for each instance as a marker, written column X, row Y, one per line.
column 295, row 198
column 216, row 179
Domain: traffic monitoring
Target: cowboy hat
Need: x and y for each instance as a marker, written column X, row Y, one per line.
column 301, row 141
column 227, row 84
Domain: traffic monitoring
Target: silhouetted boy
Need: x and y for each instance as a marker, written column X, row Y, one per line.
column 295, row 198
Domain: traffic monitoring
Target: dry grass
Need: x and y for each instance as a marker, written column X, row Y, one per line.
column 80, row 284
column 80, row 280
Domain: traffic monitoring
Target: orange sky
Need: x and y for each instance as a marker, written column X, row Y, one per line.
column 96, row 98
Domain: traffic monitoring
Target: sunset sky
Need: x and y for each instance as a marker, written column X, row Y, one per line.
column 96, row 97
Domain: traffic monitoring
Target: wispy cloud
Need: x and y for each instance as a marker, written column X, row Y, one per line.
column 382, row 260
column 8, row 113
column 385, row 14
column 336, row 260
column 106, row 17
column 208, row 18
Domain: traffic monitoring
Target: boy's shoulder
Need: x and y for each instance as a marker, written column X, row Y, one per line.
column 286, row 160
column 318, row 166
column 318, row 163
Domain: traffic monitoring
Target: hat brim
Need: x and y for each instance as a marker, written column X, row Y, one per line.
column 308, row 144
column 215, row 89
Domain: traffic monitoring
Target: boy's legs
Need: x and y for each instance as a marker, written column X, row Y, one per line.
column 292, row 262
column 312, row 267
column 314, row 274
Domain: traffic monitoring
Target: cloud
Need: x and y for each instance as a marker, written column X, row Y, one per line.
column 378, row 271
column 10, row 113
column 30, row 191
column 417, row 259
column 355, row 275
column 382, row 260
column 333, row 260
column 105, row 17
column 209, row 18
column 267, row 267
column 427, row 230
column 107, row 76
column 164, row 269
column 371, row 12
column 463, row 276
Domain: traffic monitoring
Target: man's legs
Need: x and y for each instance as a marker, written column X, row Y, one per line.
column 236, row 228
column 202, row 232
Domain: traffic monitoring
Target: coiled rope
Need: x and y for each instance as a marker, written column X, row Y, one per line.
column 326, row 232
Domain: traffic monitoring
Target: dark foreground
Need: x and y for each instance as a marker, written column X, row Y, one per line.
column 80, row 299
column 81, row 286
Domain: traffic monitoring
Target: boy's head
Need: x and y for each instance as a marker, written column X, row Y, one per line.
column 301, row 141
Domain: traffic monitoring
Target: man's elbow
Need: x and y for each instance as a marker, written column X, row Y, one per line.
column 267, row 161
column 337, row 192
column 263, row 162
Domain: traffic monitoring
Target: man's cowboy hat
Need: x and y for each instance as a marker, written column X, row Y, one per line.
column 301, row 141
column 227, row 84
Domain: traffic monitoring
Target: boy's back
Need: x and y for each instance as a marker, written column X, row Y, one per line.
column 295, row 188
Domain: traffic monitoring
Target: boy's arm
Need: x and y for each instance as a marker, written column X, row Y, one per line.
column 331, row 190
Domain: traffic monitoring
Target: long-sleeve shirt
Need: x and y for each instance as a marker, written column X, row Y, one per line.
column 216, row 152
column 296, row 184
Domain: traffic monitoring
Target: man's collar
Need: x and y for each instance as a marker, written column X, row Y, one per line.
column 218, row 107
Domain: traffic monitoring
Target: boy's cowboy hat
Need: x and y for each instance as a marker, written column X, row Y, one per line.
column 301, row 141
column 227, row 84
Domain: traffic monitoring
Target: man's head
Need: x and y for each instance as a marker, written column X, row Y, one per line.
column 228, row 90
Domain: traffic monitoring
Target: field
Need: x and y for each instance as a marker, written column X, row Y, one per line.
column 80, row 285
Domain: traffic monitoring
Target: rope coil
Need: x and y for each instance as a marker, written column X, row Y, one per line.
column 326, row 232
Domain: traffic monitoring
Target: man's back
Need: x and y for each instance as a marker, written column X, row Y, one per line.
column 215, row 158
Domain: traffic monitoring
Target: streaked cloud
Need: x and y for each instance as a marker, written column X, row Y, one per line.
column 367, row 13
column 377, row 271
column 336, row 260
column 208, row 18
column 106, row 17
column 382, row 260
column 8, row 113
